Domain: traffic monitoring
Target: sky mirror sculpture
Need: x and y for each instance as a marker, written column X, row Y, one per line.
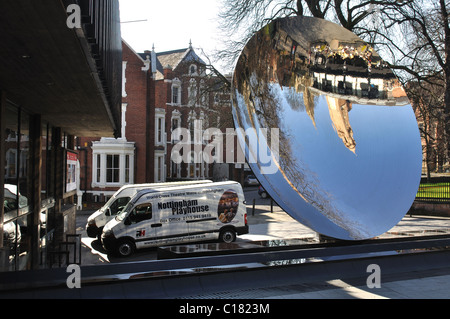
column 348, row 153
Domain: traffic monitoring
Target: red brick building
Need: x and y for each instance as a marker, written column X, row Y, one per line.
column 160, row 93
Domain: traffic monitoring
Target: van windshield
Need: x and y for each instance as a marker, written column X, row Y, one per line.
column 108, row 203
column 121, row 216
column 118, row 205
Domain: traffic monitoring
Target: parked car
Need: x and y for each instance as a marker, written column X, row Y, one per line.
column 250, row 180
column 262, row 192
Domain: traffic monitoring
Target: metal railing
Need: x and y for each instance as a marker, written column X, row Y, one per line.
column 434, row 190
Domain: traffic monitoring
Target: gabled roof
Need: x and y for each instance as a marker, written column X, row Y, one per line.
column 173, row 59
column 141, row 56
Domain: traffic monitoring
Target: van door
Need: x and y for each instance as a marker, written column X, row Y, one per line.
column 143, row 228
column 174, row 228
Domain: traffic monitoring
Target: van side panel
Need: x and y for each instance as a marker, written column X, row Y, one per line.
column 195, row 214
column 187, row 214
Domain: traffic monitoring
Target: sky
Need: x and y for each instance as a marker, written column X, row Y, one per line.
column 170, row 25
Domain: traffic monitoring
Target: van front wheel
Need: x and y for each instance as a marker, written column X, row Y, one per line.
column 125, row 248
column 227, row 236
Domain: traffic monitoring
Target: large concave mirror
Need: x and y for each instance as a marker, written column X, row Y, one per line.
column 326, row 128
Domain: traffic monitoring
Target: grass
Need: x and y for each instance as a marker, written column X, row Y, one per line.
column 434, row 191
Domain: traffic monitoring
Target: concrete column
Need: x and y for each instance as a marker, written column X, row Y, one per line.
column 2, row 160
column 59, row 169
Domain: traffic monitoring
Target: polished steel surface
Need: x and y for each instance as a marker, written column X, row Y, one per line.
column 347, row 155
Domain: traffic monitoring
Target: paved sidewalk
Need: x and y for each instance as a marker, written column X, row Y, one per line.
column 430, row 287
column 427, row 284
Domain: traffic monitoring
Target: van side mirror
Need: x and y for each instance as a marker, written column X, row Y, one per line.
column 108, row 212
column 127, row 221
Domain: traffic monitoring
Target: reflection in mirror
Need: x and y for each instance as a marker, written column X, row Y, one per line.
column 349, row 158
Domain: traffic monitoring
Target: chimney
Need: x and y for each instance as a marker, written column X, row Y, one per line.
column 167, row 71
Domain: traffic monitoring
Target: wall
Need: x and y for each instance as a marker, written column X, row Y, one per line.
column 430, row 209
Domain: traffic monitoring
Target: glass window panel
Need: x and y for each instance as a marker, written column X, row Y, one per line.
column 112, row 168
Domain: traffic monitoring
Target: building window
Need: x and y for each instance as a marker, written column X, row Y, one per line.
column 112, row 168
column 175, row 94
column 160, row 127
column 176, row 123
column 175, row 170
column 176, row 91
column 16, row 188
column 159, row 168
column 192, row 92
column 192, row 129
column 127, row 169
column 193, row 69
column 10, row 169
column 203, row 93
column 113, row 162
column 99, row 169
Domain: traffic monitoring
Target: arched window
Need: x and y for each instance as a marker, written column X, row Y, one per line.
column 193, row 69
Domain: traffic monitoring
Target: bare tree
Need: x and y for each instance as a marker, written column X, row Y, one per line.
column 428, row 102
column 415, row 38
column 240, row 19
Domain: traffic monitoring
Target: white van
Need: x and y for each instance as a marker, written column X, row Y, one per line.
column 174, row 215
column 119, row 200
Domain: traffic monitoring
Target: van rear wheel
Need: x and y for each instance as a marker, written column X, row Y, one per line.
column 227, row 235
column 125, row 248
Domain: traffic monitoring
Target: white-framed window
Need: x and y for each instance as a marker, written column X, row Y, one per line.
column 112, row 168
column 192, row 129
column 98, row 168
column 175, row 170
column 127, row 169
column 112, row 162
column 193, row 69
column 160, row 126
column 159, row 168
column 176, row 91
column 175, row 123
column 160, row 130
